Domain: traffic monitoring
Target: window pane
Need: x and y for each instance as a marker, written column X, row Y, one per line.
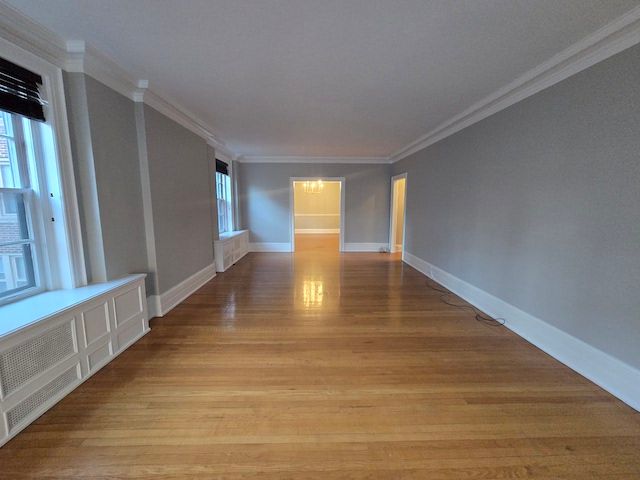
column 20, row 270
column 13, row 219
column 16, row 270
column 3, row 277
column 9, row 170
column 18, row 249
column 6, row 127
column 223, row 194
column 6, row 176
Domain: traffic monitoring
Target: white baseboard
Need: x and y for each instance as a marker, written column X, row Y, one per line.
column 270, row 247
column 365, row 247
column 160, row 305
column 615, row 376
column 304, row 231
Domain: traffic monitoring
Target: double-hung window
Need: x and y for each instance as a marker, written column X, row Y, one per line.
column 18, row 242
column 223, row 197
column 40, row 243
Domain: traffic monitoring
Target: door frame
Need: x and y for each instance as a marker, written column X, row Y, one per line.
column 292, row 225
column 392, row 220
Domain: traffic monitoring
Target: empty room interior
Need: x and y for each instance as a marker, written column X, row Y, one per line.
column 320, row 239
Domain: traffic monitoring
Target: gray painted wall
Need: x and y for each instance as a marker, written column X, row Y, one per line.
column 105, row 155
column 115, row 154
column 539, row 205
column 263, row 190
column 180, row 193
column 84, row 172
column 104, row 140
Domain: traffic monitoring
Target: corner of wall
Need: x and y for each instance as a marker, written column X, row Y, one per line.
column 147, row 204
column 86, row 183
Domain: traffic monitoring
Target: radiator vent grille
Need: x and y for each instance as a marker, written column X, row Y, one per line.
column 24, row 409
column 23, row 362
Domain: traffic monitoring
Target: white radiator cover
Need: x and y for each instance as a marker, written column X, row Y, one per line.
column 230, row 248
column 44, row 361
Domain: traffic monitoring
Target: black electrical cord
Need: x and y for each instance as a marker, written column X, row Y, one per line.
column 445, row 296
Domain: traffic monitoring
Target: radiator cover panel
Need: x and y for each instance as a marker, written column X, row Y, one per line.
column 23, row 362
column 23, row 410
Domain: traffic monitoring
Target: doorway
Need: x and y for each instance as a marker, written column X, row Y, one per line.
column 398, row 210
column 317, row 214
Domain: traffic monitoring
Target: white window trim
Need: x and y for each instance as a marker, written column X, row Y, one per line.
column 68, row 270
column 229, row 214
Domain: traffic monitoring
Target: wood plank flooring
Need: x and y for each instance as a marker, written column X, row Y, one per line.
column 317, row 242
column 326, row 366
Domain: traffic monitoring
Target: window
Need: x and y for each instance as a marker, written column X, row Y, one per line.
column 18, row 243
column 40, row 239
column 223, row 196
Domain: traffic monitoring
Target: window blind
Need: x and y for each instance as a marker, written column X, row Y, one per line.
column 19, row 91
column 222, row 167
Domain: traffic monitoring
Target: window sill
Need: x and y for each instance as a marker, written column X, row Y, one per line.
column 24, row 313
column 20, row 295
column 228, row 235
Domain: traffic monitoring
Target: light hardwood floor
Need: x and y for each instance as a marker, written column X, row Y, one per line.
column 325, row 366
column 319, row 243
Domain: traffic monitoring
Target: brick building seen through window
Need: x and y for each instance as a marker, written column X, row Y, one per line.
column 16, row 252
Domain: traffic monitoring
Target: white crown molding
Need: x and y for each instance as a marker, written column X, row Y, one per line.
column 76, row 56
column 85, row 59
column 311, row 159
column 20, row 30
column 620, row 34
column 183, row 117
column 221, row 150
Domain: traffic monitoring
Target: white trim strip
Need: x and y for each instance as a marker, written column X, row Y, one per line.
column 270, row 247
column 622, row 33
column 311, row 159
column 76, row 56
column 365, row 247
column 317, row 214
column 308, row 231
column 615, row 376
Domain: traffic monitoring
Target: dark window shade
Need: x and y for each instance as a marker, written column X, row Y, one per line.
column 19, row 91
column 222, row 167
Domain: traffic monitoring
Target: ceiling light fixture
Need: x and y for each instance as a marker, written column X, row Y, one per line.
column 315, row 186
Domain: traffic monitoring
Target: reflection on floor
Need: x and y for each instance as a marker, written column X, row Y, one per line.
column 320, row 243
column 329, row 366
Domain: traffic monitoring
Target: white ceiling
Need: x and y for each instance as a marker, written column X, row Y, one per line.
column 325, row 77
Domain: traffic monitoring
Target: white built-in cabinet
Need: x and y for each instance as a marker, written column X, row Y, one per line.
column 231, row 247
